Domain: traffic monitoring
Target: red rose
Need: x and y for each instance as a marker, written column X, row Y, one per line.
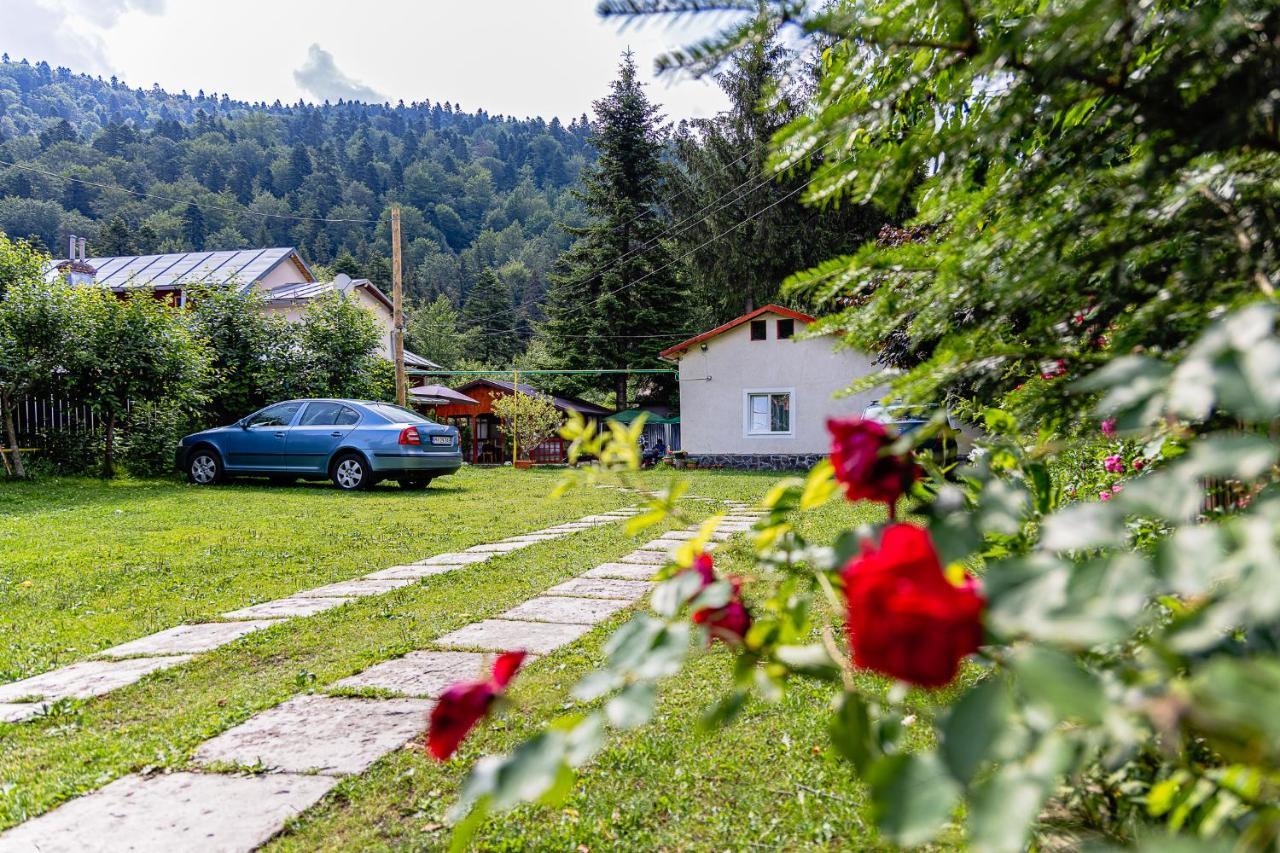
column 905, row 618
column 729, row 623
column 863, row 466
column 466, row 703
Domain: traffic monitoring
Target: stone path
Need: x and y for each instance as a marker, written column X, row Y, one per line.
column 302, row 747
column 125, row 664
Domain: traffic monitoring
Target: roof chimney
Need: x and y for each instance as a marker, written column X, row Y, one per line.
column 76, row 268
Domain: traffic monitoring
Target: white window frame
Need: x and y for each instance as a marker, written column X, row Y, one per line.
column 748, row 393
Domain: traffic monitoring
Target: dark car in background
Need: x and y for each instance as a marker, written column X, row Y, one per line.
column 355, row 443
column 945, row 439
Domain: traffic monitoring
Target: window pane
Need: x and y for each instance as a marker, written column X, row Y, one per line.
column 279, row 415
column 780, row 413
column 321, row 414
column 786, row 328
column 347, row 417
column 398, row 415
column 759, row 330
column 759, row 413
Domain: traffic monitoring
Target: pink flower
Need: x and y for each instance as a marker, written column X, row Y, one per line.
column 1104, row 496
column 1109, row 427
column 1139, row 464
column 728, row 624
column 1117, row 488
column 1113, row 465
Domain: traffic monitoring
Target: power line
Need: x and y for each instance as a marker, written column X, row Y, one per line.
column 222, row 208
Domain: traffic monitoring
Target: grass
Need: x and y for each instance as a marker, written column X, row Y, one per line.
column 769, row 780
column 89, row 563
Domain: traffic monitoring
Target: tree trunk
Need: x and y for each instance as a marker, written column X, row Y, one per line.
column 620, row 391
column 109, row 444
column 11, row 434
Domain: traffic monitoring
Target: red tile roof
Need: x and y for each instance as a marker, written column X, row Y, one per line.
column 719, row 330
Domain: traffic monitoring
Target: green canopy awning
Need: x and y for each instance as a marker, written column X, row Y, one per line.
column 629, row 415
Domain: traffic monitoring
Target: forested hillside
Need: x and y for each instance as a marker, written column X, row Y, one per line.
column 480, row 191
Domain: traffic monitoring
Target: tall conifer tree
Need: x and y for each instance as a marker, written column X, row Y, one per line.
column 617, row 284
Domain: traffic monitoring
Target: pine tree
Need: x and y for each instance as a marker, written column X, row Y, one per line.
column 193, row 226
column 616, row 284
column 742, row 228
column 488, row 314
column 115, row 239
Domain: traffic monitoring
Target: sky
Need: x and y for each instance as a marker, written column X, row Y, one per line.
column 512, row 57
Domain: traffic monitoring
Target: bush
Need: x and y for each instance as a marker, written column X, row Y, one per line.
column 151, row 437
column 64, row 452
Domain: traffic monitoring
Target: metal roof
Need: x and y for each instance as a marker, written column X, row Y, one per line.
column 307, row 290
column 188, row 269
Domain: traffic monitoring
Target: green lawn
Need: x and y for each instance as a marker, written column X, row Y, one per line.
column 108, row 562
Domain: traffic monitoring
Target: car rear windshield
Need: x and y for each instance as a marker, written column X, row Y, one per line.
column 397, row 415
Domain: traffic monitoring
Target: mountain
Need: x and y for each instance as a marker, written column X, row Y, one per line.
column 162, row 172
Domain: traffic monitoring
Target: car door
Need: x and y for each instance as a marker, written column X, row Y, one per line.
column 260, row 442
column 320, row 431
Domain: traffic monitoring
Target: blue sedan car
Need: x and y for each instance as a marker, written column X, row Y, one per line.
column 355, row 443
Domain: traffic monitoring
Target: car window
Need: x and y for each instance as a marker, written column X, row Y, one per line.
column 328, row 414
column 397, row 415
column 274, row 416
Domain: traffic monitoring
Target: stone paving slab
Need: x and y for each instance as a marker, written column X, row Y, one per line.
column 186, row 639
column 598, row 587
column 86, row 678
column 574, row 611
column 420, row 674
column 496, row 547
column 191, row 812
column 501, row 635
column 647, row 558
column 452, row 560
column 356, row 588
column 287, row 608
column 626, row 571
column 409, row 572
column 530, row 538
column 670, row 546
column 17, row 712
column 325, row 734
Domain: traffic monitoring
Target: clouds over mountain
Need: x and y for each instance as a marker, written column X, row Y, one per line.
column 321, row 78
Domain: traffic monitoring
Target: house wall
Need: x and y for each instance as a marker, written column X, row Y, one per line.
column 714, row 383
column 294, row 312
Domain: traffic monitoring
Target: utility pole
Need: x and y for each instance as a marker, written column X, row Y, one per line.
column 397, row 301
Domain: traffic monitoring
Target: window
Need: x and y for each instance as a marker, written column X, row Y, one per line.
column 397, row 414
column 328, row 414
column 786, row 328
column 768, row 412
column 759, row 330
column 275, row 416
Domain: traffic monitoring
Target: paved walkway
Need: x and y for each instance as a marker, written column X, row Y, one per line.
column 122, row 665
column 307, row 744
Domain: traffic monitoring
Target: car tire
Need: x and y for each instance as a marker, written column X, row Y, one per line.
column 204, row 467
column 351, row 472
column 415, row 483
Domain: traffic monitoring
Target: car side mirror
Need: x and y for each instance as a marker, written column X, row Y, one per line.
column 243, row 424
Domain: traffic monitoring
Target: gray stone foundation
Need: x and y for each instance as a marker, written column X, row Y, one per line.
column 757, row 461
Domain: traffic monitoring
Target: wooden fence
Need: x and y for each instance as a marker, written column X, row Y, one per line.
column 35, row 417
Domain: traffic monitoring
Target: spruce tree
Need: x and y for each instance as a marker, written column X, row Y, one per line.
column 489, row 313
column 616, row 284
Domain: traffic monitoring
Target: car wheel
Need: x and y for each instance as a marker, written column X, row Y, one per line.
column 414, row 482
column 351, row 472
column 204, row 468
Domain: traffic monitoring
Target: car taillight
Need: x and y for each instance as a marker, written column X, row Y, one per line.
column 409, row 435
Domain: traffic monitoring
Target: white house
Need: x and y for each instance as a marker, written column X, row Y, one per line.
column 279, row 274
column 752, row 395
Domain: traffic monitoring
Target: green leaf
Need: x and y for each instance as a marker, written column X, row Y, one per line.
column 584, row 740
column 633, row 707
column 632, row 642
column 671, row 594
column 819, row 486
column 667, row 654
column 912, row 797
column 850, row 730
column 714, row 595
column 972, row 729
column 1057, row 681
column 1083, row 525
column 1005, row 804
column 812, row 660
column 724, row 711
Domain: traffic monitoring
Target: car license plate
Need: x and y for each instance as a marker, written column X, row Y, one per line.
column 442, row 439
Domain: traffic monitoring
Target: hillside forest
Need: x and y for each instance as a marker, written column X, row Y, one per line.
column 518, row 232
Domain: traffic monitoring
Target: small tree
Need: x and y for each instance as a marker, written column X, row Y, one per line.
column 134, row 351
column 434, row 331
column 532, row 419
column 339, row 340
column 37, row 326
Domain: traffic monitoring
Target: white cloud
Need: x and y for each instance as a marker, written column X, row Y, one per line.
column 321, row 78
column 66, row 32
